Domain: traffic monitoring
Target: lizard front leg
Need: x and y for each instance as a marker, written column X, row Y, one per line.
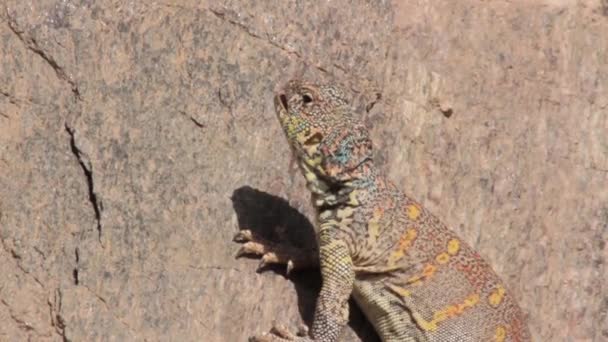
column 331, row 313
column 282, row 253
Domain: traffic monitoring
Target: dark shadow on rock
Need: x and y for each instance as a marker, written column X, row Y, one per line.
column 272, row 218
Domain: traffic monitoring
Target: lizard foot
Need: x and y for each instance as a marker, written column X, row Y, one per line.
column 279, row 333
column 275, row 253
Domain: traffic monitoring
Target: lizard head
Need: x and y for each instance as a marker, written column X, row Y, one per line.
column 320, row 126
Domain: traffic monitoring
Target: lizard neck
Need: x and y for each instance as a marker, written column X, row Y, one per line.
column 363, row 184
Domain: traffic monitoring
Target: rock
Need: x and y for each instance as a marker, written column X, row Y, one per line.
column 127, row 127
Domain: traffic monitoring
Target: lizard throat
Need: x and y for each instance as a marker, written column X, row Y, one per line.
column 327, row 193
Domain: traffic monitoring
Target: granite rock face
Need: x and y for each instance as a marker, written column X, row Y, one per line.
column 137, row 137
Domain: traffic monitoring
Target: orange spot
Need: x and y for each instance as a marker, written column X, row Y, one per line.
column 407, row 238
column 427, row 272
column 446, row 313
column 405, row 241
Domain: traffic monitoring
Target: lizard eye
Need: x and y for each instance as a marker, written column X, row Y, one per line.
column 306, row 99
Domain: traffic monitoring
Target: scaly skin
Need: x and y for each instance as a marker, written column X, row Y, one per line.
column 414, row 279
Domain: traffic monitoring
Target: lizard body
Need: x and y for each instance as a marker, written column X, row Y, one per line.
column 413, row 278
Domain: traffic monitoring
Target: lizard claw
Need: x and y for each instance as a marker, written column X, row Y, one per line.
column 302, row 330
column 261, row 265
column 243, row 236
column 290, row 267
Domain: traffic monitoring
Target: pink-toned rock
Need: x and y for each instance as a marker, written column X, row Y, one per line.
column 127, row 127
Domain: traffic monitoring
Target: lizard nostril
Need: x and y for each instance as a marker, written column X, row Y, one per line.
column 283, row 99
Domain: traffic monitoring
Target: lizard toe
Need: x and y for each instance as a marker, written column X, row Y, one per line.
column 243, row 236
column 251, row 248
column 283, row 332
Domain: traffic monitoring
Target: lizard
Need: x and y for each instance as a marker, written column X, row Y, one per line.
column 412, row 276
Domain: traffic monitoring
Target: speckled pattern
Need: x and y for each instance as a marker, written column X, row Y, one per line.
column 414, row 279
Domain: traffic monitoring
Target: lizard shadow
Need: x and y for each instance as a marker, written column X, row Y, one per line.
column 274, row 219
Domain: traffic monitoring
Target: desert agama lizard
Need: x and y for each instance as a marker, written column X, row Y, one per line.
column 413, row 278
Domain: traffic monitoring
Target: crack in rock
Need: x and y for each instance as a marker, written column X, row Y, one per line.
column 195, row 121
column 228, row 16
column 31, row 44
column 17, row 257
column 109, row 309
column 222, row 15
column 87, row 168
column 57, row 321
column 75, row 271
column 20, row 322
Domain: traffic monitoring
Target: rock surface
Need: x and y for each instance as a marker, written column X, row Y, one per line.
column 137, row 137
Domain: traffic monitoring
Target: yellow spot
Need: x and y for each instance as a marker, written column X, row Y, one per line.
column 352, row 198
column 310, row 176
column 443, row 258
column 413, row 211
column 404, row 243
column 453, row 246
column 471, row 300
column 313, row 161
column 501, row 334
column 496, row 297
column 302, row 136
column 446, row 313
column 344, row 213
column 292, row 126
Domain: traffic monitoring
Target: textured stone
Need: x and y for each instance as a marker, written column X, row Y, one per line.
column 127, row 126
